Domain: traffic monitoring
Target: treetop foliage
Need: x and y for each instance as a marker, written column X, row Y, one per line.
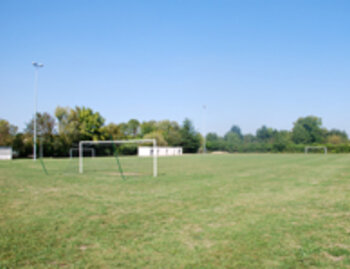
column 7, row 133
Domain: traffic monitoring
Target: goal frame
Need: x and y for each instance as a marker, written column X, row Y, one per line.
column 315, row 147
column 71, row 150
column 113, row 142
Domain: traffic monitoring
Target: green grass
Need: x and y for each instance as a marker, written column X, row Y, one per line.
column 213, row 211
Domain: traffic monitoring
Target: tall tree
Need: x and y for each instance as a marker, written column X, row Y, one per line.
column 90, row 123
column 133, row 127
column 212, row 137
column 215, row 142
column 335, row 136
column 237, row 130
column 281, row 140
column 264, row 134
column 170, row 131
column 308, row 130
column 113, row 131
column 7, row 133
column 158, row 136
column 249, row 138
column 148, row 127
column 78, row 124
column 62, row 114
column 45, row 125
column 190, row 139
column 233, row 140
column 338, row 132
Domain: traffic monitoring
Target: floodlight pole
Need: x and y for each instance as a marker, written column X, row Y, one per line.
column 36, row 66
column 155, row 153
column 204, row 138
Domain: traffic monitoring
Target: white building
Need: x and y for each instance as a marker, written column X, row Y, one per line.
column 5, row 153
column 161, row 151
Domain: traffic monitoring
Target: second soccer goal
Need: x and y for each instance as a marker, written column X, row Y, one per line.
column 119, row 156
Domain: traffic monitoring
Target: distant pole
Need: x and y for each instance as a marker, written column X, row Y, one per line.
column 36, row 66
column 204, row 138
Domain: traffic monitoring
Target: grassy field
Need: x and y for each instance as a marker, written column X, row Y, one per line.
column 213, row 211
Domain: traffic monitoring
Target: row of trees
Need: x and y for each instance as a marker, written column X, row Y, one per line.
column 306, row 131
column 69, row 126
column 63, row 131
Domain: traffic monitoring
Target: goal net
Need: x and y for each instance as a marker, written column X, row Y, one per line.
column 315, row 149
column 118, row 157
column 74, row 152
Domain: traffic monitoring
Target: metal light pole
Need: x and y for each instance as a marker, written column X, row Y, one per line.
column 204, row 138
column 36, row 66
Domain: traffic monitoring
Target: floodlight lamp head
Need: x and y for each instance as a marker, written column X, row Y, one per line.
column 37, row 65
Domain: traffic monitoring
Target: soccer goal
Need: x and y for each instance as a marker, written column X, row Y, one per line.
column 315, row 148
column 116, row 148
column 91, row 151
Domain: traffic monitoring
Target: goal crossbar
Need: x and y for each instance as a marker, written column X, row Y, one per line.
column 315, row 147
column 132, row 141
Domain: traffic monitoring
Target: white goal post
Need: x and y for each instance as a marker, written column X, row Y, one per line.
column 136, row 141
column 315, row 147
column 71, row 150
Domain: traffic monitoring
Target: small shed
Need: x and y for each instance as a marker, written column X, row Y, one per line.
column 161, row 151
column 5, row 153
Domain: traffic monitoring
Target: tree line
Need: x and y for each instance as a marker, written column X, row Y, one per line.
column 306, row 131
column 58, row 133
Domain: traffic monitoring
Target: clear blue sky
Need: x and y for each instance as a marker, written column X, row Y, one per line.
column 251, row 62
